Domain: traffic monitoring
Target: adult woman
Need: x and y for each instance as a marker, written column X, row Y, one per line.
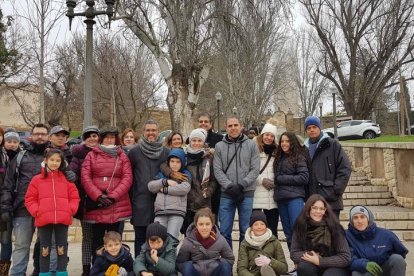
column 90, row 140
column 106, row 177
column 319, row 246
column 203, row 182
column 174, row 140
column 204, row 250
column 291, row 177
column 263, row 195
column 129, row 139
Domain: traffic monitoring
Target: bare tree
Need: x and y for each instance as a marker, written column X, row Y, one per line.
column 364, row 43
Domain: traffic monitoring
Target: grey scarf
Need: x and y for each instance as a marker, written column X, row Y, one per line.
column 152, row 150
column 111, row 150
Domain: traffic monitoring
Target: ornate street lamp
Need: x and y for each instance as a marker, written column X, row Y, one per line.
column 218, row 99
column 333, row 91
column 234, row 110
column 320, row 109
column 90, row 14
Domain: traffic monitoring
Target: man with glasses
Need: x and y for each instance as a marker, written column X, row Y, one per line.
column 18, row 177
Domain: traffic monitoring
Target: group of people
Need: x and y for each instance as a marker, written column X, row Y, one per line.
column 193, row 187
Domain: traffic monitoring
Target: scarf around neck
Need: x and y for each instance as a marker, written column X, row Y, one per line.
column 258, row 241
column 206, row 243
column 319, row 237
column 110, row 150
column 152, row 150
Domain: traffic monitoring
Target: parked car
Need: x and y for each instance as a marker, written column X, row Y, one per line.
column 164, row 134
column 355, row 129
column 411, row 130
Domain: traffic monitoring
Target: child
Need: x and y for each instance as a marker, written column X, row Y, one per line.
column 158, row 254
column 260, row 253
column 114, row 258
column 171, row 203
column 52, row 201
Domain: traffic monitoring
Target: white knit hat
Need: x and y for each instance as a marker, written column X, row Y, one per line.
column 198, row 133
column 269, row 128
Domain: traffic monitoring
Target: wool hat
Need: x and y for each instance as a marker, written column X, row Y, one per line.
column 269, row 128
column 256, row 216
column 156, row 230
column 87, row 131
column 57, row 129
column 359, row 209
column 9, row 129
column 313, row 120
column 11, row 135
column 198, row 133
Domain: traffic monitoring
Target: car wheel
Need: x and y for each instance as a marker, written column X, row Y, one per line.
column 331, row 135
column 369, row 134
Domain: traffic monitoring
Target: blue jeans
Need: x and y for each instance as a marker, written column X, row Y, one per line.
column 224, row 269
column 6, row 243
column 289, row 211
column 226, row 216
column 23, row 229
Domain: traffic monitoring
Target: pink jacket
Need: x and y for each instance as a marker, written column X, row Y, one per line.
column 51, row 200
column 97, row 170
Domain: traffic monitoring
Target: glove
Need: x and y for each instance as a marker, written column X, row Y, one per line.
column 104, row 201
column 112, row 270
column 262, row 260
column 122, row 272
column 373, row 268
column 268, row 184
column 180, row 177
column 236, row 192
column 6, row 216
column 70, row 176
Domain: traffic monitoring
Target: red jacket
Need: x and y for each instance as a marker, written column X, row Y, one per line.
column 97, row 170
column 51, row 200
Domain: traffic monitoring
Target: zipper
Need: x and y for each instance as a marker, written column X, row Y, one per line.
column 54, row 194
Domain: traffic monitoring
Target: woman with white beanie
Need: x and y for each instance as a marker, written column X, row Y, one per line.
column 263, row 196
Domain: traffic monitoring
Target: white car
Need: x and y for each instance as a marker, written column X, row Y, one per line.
column 355, row 129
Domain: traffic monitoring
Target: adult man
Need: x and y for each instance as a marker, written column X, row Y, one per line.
column 331, row 168
column 236, row 167
column 146, row 159
column 58, row 137
column 18, row 177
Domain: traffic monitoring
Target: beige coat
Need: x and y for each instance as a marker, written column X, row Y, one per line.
column 263, row 199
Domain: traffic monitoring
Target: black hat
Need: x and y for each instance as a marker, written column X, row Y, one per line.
column 108, row 130
column 256, row 216
column 88, row 130
column 156, row 230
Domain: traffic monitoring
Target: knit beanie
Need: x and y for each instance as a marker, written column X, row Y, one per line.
column 359, row 209
column 198, row 133
column 313, row 120
column 11, row 135
column 269, row 128
column 156, row 230
column 87, row 131
column 256, row 216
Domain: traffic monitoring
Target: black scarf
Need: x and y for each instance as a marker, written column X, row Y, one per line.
column 269, row 149
column 318, row 238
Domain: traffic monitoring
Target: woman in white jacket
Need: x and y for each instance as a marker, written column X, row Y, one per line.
column 263, row 196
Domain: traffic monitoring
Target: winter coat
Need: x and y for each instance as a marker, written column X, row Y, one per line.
column 375, row 244
column 144, row 170
column 263, row 199
column 331, row 171
column 166, row 259
column 205, row 261
column 104, row 260
column 243, row 170
column 79, row 153
column 51, row 200
column 97, row 170
column 17, row 181
column 291, row 179
column 195, row 198
column 272, row 248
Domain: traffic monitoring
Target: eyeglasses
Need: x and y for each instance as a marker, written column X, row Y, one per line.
column 316, row 208
column 204, row 121
column 39, row 134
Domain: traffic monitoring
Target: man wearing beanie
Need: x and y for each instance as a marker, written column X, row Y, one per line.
column 375, row 250
column 158, row 254
column 331, row 168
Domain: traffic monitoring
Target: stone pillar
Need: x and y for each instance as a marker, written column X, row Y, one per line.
column 289, row 121
column 367, row 163
column 390, row 171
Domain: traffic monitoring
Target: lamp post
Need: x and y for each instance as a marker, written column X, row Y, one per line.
column 333, row 91
column 90, row 14
column 320, row 109
column 218, row 99
column 234, row 110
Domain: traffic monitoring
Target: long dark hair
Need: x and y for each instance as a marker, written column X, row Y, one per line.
column 295, row 150
column 302, row 222
column 48, row 153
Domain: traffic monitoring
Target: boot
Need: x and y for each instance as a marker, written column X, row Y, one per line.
column 61, row 273
column 86, row 270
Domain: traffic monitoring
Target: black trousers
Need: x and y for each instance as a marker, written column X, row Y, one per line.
column 99, row 230
column 272, row 217
column 140, row 233
column 61, row 238
column 308, row 269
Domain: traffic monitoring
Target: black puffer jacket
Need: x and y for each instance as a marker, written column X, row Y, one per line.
column 291, row 179
column 331, row 171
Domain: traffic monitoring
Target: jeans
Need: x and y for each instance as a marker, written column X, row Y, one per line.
column 6, row 243
column 272, row 217
column 99, row 230
column 308, row 269
column 224, row 269
column 172, row 223
column 394, row 266
column 226, row 216
column 61, row 237
column 289, row 211
column 23, row 229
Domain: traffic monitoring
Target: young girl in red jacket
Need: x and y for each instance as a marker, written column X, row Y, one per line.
column 52, row 201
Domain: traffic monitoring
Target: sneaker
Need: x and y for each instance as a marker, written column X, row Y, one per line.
column 266, row 270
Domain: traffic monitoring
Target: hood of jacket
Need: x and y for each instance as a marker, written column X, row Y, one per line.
column 240, row 139
column 178, row 153
column 324, row 136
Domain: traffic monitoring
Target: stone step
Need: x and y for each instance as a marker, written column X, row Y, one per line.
column 367, row 195
column 358, row 178
column 358, row 174
column 359, row 183
column 368, row 201
column 366, row 189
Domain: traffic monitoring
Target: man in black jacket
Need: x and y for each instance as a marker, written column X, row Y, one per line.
column 331, row 168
